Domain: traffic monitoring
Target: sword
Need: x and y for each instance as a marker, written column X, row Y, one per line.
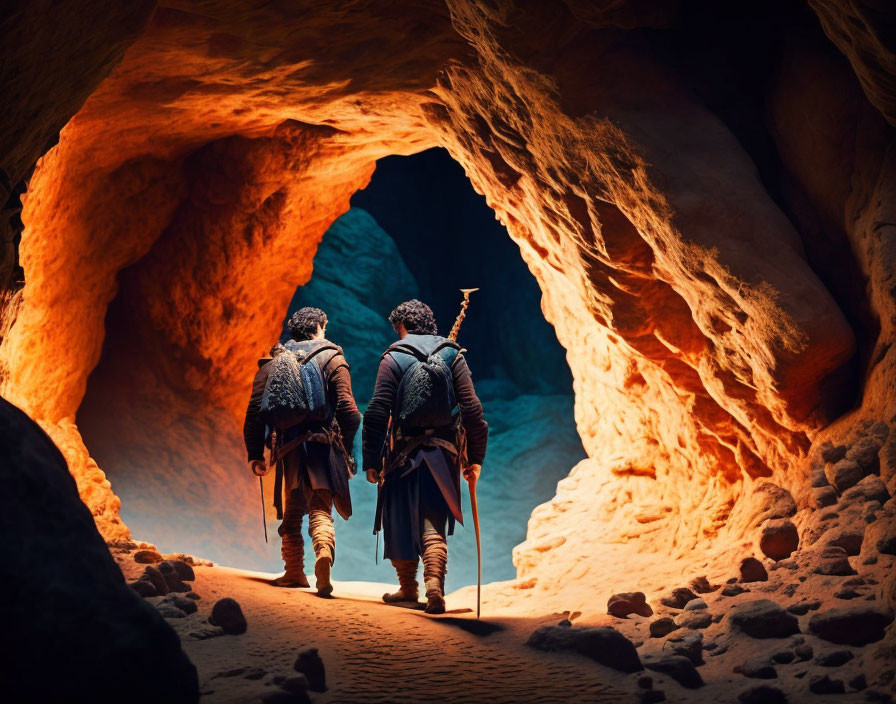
column 264, row 519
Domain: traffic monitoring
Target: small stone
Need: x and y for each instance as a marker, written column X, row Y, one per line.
column 565, row 623
column 651, row 696
column 144, row 588
column 847, row 594
column 834, row 658
column 851, row 625
column 822, row 497
column 188, row 606
column 604, row 645
column 762, row 694
column 310, row 665
column 844, row 474
column 296, row 684
column 694, row 619
column 690, row 646
column 779, row 539
column 883, row 533
column 752, row 570
column 783, row 657
column 759, row 669
column 645, row 681
column 192, row 595
column 662, row 627
column 183, row 570
column 825, row 685
column 168, row 610
column 763, row 619
column 831, row 453
column 733, row 590
column 774, row 502
column 865, row 453
column 869, row 511
column 817, row 478
column 858, row 682
column 205, row 632
column 701, row 585
column 678, row 667
column 158, row 581
column 227, row 614
column 678, row 598
column 803, row 652
column 804, row 607
column 832, row 561
column 849, row 539
column 870, row 488
column 147, row 556
column 621, row 605
column 695, row 604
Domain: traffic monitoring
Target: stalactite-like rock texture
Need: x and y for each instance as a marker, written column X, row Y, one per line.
column 721, row 279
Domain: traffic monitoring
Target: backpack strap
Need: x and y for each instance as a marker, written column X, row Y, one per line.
column 328, row 372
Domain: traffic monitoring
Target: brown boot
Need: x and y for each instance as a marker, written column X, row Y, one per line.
column 407, row 582
column 435, row 560
column 293, row 547
column 292, row 580
column 320, row 525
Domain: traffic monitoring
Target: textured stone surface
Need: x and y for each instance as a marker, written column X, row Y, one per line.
column 763, row 619
column 71, row 606
column 713, row 326
column 605, row 645
column 851, row 625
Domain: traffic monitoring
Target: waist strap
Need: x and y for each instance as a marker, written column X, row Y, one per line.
column 279, row 451
column 415, row 443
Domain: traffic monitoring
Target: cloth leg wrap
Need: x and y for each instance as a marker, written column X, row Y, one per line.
column 407, row 575
column 292, row 548
column 435, row 561
column 320, row 527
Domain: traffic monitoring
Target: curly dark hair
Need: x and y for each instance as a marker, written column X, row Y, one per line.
column 303, row 323
column 416, row 316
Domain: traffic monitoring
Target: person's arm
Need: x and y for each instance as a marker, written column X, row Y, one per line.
column 347, row 414
column 470, row 412
column 253, row 428
column 376, row 417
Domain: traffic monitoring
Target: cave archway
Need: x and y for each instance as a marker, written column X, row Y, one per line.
column 705, row 350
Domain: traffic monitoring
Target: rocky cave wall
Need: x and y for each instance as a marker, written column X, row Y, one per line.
column 727, row 305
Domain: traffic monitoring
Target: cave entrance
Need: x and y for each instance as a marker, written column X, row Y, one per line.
column 419, row 230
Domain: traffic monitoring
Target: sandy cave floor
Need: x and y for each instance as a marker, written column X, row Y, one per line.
column 377, row 653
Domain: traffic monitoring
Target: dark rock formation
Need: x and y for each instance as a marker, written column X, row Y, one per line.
column 227, row 614
column 678, row 598
column 851, row 625
column 678, row 667
column 626, row 603
column 752, row 570
column 68, row 604
column 763, row 619
column 779, row 539
column 309, row 663
column 602, row 644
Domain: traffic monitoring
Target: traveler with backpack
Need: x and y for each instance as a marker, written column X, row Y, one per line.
column 302, row 407
column 422, row 429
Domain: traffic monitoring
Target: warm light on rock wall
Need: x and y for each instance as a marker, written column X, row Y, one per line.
column 707, row 352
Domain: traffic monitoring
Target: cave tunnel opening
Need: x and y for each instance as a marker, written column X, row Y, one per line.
column 417, row 230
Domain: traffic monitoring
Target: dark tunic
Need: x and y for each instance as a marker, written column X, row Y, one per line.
column 425, row 488
column 312, row 465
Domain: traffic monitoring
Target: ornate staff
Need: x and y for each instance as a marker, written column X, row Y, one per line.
column 474, row 505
